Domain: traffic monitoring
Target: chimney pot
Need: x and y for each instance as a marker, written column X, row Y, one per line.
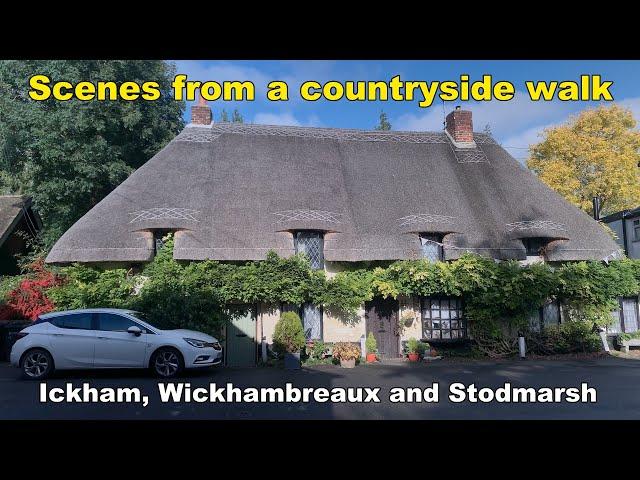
column 459, row 125
column 201, row 112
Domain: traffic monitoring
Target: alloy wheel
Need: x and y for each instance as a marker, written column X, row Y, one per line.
column 36, row 364
column 167, row 363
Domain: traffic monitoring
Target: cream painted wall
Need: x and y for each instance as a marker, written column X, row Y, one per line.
column 337, row 328
column 267, row 318
column 331, row 268
column 410, row 306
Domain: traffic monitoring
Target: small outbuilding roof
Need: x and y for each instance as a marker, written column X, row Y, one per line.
column 236, row 191
column 13, row 208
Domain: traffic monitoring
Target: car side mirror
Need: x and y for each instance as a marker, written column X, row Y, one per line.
column 134, row 330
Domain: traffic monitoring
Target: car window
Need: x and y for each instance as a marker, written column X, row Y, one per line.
column 76, row 321
column 115, row 323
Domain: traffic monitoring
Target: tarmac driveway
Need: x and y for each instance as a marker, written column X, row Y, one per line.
column 616, row 380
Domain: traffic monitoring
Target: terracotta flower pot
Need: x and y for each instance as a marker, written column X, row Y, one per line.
column 413, row 357
column 371, row 357
column 348, row 363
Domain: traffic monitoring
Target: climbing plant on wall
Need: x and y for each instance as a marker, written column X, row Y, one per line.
column 498, row 296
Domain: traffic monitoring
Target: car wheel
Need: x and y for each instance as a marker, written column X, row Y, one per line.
column 36, row 364
column 167, row 363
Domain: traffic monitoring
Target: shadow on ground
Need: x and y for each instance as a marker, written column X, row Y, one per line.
column 617, row 382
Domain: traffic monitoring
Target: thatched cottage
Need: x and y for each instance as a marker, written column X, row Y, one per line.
column 233, row 192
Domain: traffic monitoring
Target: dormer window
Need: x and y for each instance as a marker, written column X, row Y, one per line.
column 311, row 243
column 534, row 246
column 158, row 242
column 432, row 249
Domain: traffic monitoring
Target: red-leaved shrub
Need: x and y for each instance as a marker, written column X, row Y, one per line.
column 29, row 299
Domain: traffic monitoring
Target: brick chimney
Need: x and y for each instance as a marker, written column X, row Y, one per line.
column 201, row 113
column 460, row 126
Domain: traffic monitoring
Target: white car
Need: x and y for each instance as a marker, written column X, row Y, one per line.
column 109, row 338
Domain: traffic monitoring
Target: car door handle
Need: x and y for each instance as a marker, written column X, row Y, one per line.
column 57, row 334
column 103, row 338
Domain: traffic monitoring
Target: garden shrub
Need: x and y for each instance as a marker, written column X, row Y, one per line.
column 87, row 287
column 288, row 335
column 371, row 344
column 8, row 283
column 569, row 337
column 316, row 350
column 29, row 298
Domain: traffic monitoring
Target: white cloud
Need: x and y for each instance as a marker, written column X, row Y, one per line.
column 505, row 118
column 518, row 145
column 632, row 104
column 222, row 71
column 286, row 118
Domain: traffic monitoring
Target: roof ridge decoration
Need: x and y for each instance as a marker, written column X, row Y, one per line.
column 197, row 137
column 211, row 133
column 469, row 155
column 535, row 225
column 162, row 213
column 303, row 214
column 424, row 217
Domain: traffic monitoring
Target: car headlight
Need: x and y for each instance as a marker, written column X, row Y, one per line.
column 195, row 342
column 216, row 346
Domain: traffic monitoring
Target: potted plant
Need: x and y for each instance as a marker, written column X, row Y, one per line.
column 288, row 339
column 422, row 348
column 372, row 348
column 347, row 353
column 412, row 349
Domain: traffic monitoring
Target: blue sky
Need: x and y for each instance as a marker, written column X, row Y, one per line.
column 515, row 124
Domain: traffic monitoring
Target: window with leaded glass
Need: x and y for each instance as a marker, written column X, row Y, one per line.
column 616, row 326
column 312, row 321
column 432, row 249
column 310, row 316
column 312, row 245
column 545, row 316
column 442, row 319
column 626, row 319
column 630, row 314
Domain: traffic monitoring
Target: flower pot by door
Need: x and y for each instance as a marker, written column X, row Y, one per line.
column 348, row 363
column 371, row 357
column 292, row 361
column 414, row 357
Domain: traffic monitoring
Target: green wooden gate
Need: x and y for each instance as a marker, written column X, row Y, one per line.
column 241, row 337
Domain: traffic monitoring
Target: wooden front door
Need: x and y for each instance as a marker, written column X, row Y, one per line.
column 381, row 318
column 241, row 337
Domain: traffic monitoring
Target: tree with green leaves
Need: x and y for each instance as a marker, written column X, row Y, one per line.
column 69, row 155
column 595, row 153
column 383, row 122
column 235, row 117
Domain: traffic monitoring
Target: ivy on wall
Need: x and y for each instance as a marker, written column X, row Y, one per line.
column 498, row 296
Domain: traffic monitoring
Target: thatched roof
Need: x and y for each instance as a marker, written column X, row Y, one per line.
column 236, row 191
column 13, row 208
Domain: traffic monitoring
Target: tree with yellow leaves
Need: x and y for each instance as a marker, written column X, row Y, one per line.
column 596, row 153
